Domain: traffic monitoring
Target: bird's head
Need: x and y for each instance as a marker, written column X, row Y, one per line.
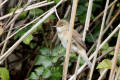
column 62, row 25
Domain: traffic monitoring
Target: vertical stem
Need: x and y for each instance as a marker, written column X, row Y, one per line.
column 71, row 26
column 99, row 39
column 115, row 57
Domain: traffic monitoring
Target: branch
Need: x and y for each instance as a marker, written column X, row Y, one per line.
column 11, row 49
column 106, row 40
column 33, row 6
column 84, row 33
column 115, row 57
column 71, row 26
column 99, row 40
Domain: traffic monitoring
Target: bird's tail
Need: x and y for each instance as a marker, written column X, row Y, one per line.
column 83, row 54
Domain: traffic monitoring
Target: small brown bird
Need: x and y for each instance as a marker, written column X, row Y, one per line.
column 77, row 45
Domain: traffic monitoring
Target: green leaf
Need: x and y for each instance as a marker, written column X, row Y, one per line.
column 55, row 59
column 33, row 45
column 39, row 27
column 105, row 64
column 45, row 51
column 56, row 1
column 23, row 15
column 106, row 47
column 89, row 38
column 46, row 73
column 35, row 12
column 28, row 39
column 43, row 60
column 4, row 74
column 58, row 51
column 56, row 73
column 39, row 70
column 118, row 60
column 22, row 32
column 33, row 76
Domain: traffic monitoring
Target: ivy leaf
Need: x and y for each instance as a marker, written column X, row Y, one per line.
column 4, row 74
column 106, row 47
column 56, row 1
column 56, row 73
column 55, row 59
column 45, row 51
column 105, row 64
column 43, row 60
column 46, row 73
column 39, row 70
column 33, row 76
column 22, row 15
column 28, row 39
column 36, row 12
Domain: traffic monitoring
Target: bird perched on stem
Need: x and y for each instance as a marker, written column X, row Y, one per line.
column 77, row 45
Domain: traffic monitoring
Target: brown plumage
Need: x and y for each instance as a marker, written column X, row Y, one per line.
column 77, row 44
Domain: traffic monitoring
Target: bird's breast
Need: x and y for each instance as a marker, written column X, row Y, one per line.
column 64, row 38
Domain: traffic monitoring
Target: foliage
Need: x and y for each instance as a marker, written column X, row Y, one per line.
column 47, row 64
column 105, row 64
column 4, row 74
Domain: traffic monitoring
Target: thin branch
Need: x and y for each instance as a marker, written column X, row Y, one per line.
column 117, row 75
column 67, row 12
column 115, row 57
column 33, row 6
column 110, row 13
column 96, row 18
column 71, row 26
column 12, row 24
column 11, row 49
column 84, row 32
column 99, row 40
column 105, row 41
column 112, row 20
column 103, row 74
column 1, row 4
column 24, row 27
column 107, row 52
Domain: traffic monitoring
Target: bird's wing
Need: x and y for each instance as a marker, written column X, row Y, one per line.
column 78, row 38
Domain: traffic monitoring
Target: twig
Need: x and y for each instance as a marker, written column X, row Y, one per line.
column 99, row 40
column 57, row 14
column 103, row 74
column 107, row 52
column 108, row 25
column 110, row 13
column 5, row 44
column 96, row 18
column 87, row 19
column 1, row 4
column 24, row 27
column 113, row 19
column 71, row 26
column 115, row 57
column 67, row 12
column 108, row 38
column 12, row 22
column 28, row 8
column 117, row 75
column 11, row 49
column 84, row 32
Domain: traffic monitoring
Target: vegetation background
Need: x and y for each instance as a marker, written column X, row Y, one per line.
column 40, row 55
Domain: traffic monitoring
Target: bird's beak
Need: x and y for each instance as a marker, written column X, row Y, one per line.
column 54, row 26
